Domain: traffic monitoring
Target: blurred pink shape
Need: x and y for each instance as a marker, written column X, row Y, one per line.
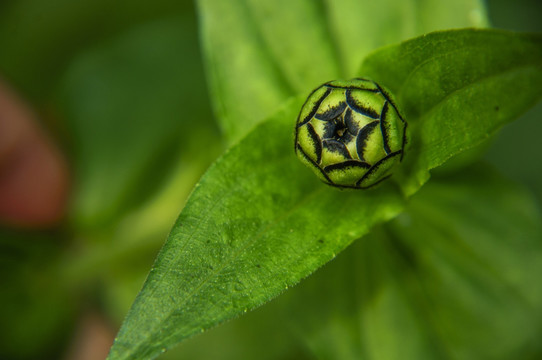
column 34, row 177
column 92, row 338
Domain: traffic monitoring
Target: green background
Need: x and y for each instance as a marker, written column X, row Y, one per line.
column 121, row 87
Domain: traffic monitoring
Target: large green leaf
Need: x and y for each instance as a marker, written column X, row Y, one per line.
column 259, row 222
column 453, row 277
column 456, row 88
column 259, row 53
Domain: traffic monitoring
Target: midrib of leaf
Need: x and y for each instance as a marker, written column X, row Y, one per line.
column 279, row 71
column 218, row 101
column 330, row 40
column 432, row 58
column 229, row 116
column 332, row 34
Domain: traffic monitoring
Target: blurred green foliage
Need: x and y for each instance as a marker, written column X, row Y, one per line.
column 514, row 149
column 40, row 38
column 135, row 106
column 121, row 87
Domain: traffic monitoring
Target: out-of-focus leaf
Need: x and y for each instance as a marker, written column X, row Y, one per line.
column 131, row 104
column 515, row 147
column 123, row 264
column 454, row 276
column 359, row 27
column 257, row 223
column 520, row 15
column 518, row 140
column 456, row 88
column 259, row 53
column 261, row 334
column 39, row 38
column 36, row 310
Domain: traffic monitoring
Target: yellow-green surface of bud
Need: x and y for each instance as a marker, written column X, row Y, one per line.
column 350, row 133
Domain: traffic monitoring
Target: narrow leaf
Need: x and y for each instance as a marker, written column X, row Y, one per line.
column 257, row 223
column 456, row 89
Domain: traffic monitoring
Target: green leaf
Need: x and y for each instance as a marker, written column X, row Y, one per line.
column 455, row 276
column 259, row 53
column 257, row 223
column 131, row 113
column 456, row 89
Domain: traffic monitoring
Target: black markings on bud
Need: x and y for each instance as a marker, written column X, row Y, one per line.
column 352, row 135
column 316, row 141
column 347, row 164
column 362, row 138
column 354, row 105
column 336, row 146
column 315, row 108
column 384, row 127
column 351, row 125
column 331, row 113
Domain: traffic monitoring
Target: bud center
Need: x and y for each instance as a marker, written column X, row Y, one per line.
column 340, row 129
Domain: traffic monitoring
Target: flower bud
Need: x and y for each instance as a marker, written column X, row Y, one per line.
column 350, row 133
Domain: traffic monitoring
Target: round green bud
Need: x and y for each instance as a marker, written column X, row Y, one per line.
column 350, row 133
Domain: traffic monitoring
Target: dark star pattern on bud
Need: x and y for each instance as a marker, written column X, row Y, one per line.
column 350, row 133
